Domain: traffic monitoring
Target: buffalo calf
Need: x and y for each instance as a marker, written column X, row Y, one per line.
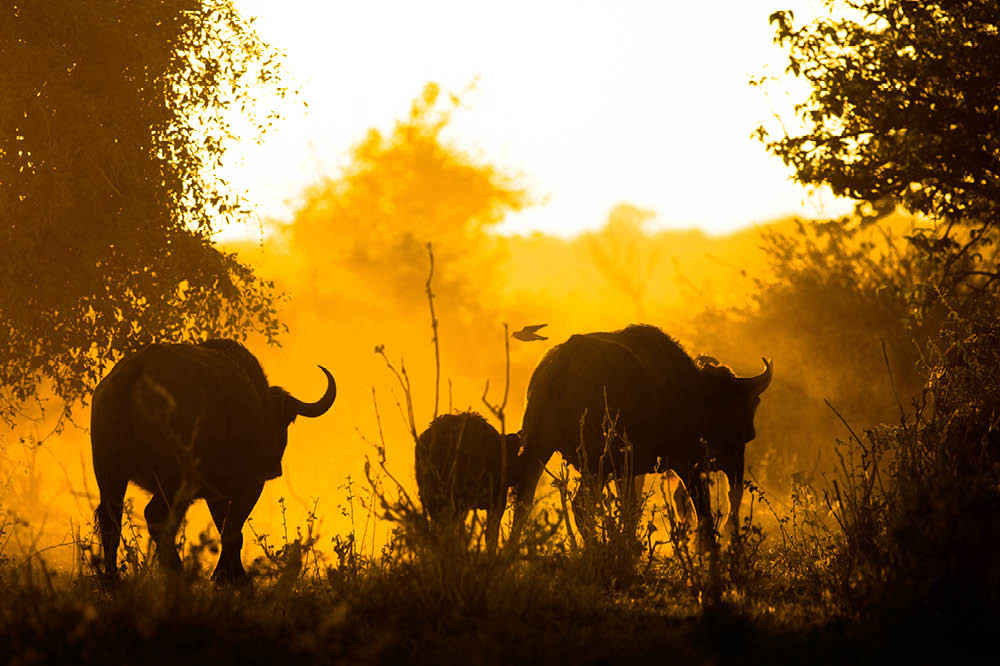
column 462, row 464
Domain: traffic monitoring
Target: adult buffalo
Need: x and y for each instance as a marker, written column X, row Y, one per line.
column 463, row 463
column 595, row 393
column 186, row 421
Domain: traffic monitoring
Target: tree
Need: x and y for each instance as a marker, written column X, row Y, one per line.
column 619, row 252
column 903, row 108
column 114, row 117
column 399, row 192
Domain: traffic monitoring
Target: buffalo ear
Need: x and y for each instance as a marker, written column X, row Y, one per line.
column 512, row 443
column 283, row 406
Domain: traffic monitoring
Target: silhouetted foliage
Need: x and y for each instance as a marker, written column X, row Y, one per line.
column 836, row 292
column 903, row 112
column 903, row 108
column 903, row 104
column 114, row 118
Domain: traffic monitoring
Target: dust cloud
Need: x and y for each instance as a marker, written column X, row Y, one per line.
column 354, row 265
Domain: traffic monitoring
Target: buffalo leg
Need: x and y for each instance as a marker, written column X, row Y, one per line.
column 163, row 521
column 698, row 489
column 631, row 504
column 525, row 493
column 220, row 510
column 734, row 472
column 682, row 508
column 493, row 516
column 229, row 517
column 109, row 521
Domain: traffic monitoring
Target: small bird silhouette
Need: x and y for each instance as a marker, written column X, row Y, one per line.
column 705, row 360
column 527, row 334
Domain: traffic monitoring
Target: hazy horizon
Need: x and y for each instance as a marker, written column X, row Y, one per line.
column 597, row 104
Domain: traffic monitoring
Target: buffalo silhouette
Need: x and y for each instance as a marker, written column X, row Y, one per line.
column 463, row 463
column 186, row 421
column 599, row 395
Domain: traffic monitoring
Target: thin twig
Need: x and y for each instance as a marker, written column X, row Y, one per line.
column 506, row 385
column 561, row 483
column 105, row 176
column 381, row 434
column 404, row 383
column 892, row 384
column 847, row 425
column 499, row 410
column 434, row 329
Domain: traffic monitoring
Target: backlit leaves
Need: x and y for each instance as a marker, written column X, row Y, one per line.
column 113, row 123
column 903, row 108
column 904, row 102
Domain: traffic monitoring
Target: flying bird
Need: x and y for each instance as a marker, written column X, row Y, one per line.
column 527, row 334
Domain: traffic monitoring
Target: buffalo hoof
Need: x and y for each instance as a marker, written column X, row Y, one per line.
column 171, row 567
column 237, row 580
column 108, row 581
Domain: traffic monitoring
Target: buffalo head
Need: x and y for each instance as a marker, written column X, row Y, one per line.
column 284, row 410
column 730, row 404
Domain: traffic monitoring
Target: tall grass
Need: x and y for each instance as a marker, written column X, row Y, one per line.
column 895, row 546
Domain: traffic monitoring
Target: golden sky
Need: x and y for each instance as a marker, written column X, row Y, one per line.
column 593, row 103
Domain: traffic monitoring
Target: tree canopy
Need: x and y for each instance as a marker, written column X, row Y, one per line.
column 902, row 113
column 400, row 191
column 114, row 119
column 904, row 103
column 902, row 109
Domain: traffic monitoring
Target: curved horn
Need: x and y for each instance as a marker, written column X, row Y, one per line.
column 757, row 385
column 313, row 409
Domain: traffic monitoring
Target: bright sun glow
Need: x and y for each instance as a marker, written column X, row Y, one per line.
column 592, row 103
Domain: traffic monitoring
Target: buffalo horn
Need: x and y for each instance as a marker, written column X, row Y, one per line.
column 313, row 409
column 756, row 385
